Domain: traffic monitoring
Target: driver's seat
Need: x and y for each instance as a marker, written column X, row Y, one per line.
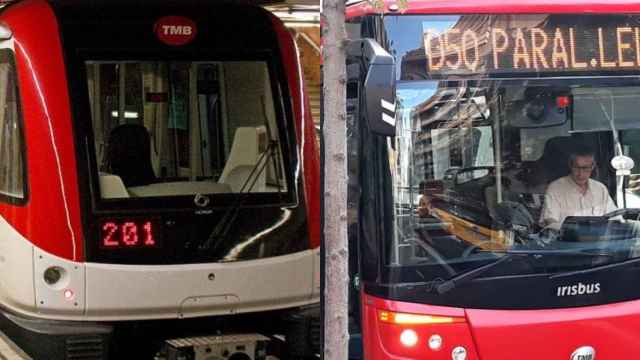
column 248, row 145
column 553, row 164
column 129, row 155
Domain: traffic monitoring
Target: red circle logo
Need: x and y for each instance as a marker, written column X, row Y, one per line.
column 175, row 30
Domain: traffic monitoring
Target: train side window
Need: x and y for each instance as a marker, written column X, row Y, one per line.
column 12, row 176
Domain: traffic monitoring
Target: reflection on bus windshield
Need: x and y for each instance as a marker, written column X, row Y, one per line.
column 490, row 166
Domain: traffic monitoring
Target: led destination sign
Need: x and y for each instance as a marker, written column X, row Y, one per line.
column 466, row 48
column 129, row 233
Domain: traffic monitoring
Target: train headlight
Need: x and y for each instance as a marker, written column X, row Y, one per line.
column 53, row 274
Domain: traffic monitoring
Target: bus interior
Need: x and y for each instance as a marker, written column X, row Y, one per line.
column 482, row 153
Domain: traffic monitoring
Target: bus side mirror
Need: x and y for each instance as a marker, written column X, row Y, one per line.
column 371, row 84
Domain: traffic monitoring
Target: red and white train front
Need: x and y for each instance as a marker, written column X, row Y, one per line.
column 156, row 162
column 500, row 219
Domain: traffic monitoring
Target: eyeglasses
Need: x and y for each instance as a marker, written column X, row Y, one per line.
column 584, row 168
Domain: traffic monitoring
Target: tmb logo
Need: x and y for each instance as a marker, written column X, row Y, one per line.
column 583, row 357
column 584, row 353
column 175, row 30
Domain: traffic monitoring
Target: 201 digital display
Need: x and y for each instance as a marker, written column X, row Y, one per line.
column 478, row 44
column 129, row 233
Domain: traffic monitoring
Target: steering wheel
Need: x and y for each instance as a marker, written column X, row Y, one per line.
column 630, row 213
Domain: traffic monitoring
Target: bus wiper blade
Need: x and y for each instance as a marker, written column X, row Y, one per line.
column 597, row 268
column 509, row 254
column 469, row 275
column 554, row 252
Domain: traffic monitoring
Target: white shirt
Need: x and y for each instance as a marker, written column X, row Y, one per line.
column 564, row 198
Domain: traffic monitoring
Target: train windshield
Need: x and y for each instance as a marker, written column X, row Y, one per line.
column 516, row 152
column 185, row 133
column 185, row 128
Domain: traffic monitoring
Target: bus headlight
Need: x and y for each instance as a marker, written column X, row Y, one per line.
column 435, row 342
column 409, row 338
column 459, row 353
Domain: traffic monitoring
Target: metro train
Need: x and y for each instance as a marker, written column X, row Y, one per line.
column 159, row 177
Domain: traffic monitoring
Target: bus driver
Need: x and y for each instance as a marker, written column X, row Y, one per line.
column 576, row 194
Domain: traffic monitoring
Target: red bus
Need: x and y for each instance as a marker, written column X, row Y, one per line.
column 498, row 218
column 159, row 180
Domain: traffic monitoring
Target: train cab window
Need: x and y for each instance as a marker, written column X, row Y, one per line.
column 185, row 128
column 12, row 179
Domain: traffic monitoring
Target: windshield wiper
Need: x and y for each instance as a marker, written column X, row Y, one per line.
column 509, row 254
column 221, row 230
column 597, row 268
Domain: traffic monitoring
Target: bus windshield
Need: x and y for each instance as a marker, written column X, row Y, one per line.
column 518, row 139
